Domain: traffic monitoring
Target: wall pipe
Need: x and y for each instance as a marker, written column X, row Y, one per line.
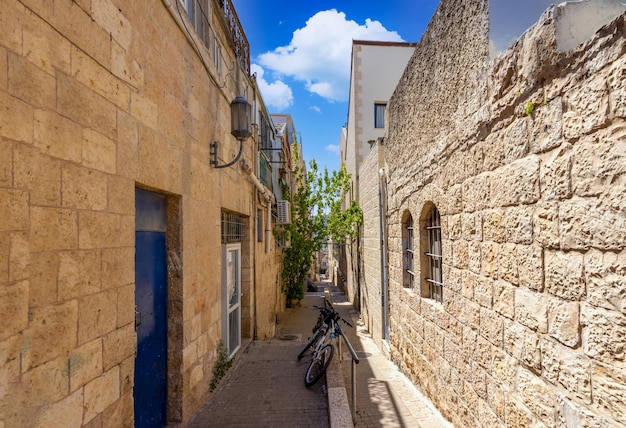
column 383, row 254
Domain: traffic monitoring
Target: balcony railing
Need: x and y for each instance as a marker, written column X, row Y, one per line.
column 242, row 47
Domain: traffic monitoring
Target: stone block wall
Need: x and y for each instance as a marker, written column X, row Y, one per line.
column 371, row 309
column 98, row 98
column 527, row 168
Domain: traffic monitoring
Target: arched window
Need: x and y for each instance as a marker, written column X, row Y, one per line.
column 408, row 273
column 432, row 258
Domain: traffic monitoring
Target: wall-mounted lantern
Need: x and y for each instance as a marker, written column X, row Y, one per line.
column 240, row 128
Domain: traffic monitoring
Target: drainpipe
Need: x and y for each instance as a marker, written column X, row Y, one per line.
column 269, row 198
column 383, row 254
column 255, row 328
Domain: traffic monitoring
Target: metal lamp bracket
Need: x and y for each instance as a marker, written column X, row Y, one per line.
column 213, row 155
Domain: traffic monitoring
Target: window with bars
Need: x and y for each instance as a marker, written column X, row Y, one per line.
column 433, row 288
column 265, row 172
column 265, row 131
column 408, row 274
column 233, row 228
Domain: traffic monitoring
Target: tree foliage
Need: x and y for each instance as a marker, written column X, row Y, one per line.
column 317, row 216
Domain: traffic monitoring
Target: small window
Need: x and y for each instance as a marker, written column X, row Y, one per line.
column 233, row 228
column 407, row 252
column 433, row 258
column 379, row 115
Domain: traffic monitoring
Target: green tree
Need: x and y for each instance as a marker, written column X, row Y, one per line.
column 317, row 216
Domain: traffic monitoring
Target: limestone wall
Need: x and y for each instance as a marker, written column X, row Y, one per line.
column 96, row 98
column 371, row 309
column 528, row 171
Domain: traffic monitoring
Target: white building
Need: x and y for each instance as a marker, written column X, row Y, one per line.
column 376, row 68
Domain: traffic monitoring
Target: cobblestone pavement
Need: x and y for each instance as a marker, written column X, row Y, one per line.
column 266, row 388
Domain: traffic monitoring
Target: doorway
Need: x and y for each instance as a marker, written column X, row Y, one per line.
column 150, row 391
column 231, row 287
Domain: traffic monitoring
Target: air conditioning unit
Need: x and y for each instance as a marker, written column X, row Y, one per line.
column 284, row 212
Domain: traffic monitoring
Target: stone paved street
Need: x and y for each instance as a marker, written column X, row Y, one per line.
column 265, row 388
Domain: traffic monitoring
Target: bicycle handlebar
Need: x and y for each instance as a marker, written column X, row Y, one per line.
column 335, row 315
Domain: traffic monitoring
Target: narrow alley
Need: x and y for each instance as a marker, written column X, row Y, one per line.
column 265, row 387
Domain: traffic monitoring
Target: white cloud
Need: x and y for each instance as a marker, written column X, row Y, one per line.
column 319, row 53
column 315, row 109
column 333, row 148
column 276, row 94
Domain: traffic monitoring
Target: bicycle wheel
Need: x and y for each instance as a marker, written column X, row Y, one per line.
column 312, row 342
column 318, row 366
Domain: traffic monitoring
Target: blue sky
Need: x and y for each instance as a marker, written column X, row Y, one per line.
column 301, row 51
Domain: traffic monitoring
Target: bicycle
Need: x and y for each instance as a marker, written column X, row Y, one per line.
column 326, row 328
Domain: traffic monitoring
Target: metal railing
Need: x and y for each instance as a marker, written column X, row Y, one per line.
column 355, row 361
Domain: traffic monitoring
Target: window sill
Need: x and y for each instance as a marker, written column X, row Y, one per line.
column 411, row 292
column 433, row 303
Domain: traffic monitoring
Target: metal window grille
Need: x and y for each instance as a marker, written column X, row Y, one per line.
column 408, row 253
column 233, row 228
column 265, row 132
column 265, row 172
column 435, row 258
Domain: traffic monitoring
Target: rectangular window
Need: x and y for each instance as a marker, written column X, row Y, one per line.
column 265, row 132
column 216, row 54
column 265, row 171
column 379, row 115
column 198, row 13
column 233, row 228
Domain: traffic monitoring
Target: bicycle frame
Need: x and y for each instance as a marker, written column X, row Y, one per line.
column 327, row 327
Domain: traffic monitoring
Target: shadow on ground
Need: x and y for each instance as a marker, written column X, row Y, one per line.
column 384, row 396
column 265, row 388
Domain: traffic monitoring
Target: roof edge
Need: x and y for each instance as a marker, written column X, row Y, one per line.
column 383, row 43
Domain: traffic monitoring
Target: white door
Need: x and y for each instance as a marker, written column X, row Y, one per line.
column 231, row 286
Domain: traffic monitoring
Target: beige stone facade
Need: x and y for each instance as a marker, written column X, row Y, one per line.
column 525, row 159
column 99, row 98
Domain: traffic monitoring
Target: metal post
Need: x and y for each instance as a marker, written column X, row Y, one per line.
column 355, row 361
column 353, row 391
column 339, row 346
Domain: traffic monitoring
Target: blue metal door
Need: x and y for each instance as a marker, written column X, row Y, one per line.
column 150, row 392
